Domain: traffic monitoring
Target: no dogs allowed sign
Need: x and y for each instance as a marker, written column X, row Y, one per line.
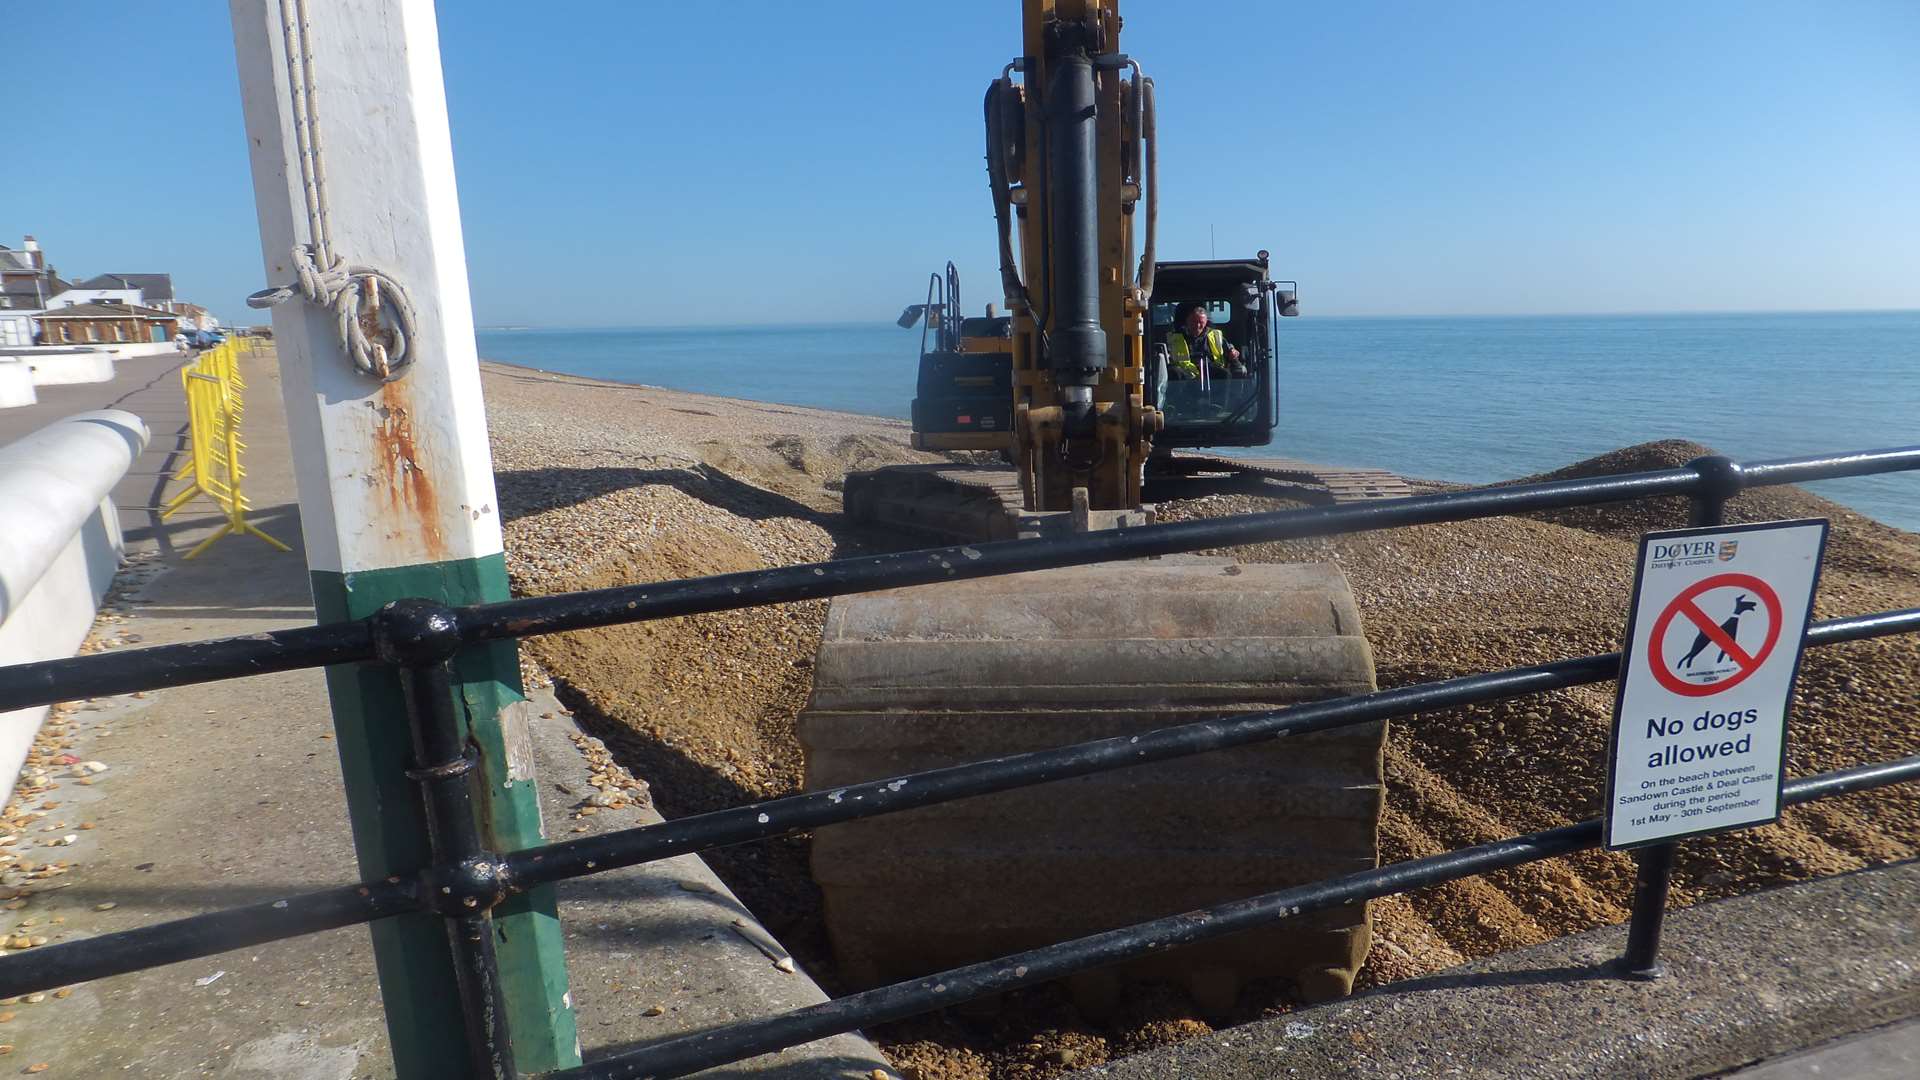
column 1713, row 644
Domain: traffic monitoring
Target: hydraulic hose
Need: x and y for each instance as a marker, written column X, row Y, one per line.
column 1152, row 197
column 998, row 94
column 1077, row 341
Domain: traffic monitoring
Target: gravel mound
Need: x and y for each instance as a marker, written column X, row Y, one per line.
column 1448, row 600
column 603, row 484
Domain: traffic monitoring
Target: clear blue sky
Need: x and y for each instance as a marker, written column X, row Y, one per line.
column 657, row 163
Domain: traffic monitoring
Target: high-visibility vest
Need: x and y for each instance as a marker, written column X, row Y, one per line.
column 1181, row 357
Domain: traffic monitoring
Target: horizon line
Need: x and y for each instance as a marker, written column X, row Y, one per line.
column 1337, row 315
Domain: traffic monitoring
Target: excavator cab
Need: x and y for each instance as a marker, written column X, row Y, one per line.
column 1218, row 407
column 964, row 395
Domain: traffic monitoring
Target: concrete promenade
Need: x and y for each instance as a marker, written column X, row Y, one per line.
column 1832, row 965
column 229, row 793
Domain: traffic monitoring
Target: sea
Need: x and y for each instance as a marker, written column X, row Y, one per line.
column 1472, row 399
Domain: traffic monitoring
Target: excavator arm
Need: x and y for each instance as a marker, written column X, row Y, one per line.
column 1066, row 144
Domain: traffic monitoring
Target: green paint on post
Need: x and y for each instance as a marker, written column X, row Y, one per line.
column 389, row 827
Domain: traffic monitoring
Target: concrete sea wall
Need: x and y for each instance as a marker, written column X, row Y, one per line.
column 56, row 366
column 60, row 545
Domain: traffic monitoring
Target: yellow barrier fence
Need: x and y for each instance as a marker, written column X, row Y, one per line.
column 216, row 399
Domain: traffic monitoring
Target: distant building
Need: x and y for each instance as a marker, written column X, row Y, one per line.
column 26, row 281
column 29, row 286
column 16, row 329
column 94, row 324
column 156, row 290
column 195, row 317
column 79, row 295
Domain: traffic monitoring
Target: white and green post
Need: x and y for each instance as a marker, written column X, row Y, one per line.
column 396, row 484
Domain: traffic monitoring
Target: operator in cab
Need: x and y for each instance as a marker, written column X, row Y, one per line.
column 1191, row 338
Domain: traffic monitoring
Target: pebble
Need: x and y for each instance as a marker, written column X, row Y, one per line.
column 106, row 905
column 654, row 1010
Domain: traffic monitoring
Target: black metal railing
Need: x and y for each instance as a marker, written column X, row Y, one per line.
column 466, row 881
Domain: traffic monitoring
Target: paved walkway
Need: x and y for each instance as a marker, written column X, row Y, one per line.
column 1888, row 1053
column 1750, row 979
column 229, row 793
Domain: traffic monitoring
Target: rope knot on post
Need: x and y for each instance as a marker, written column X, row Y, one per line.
column 373, row 314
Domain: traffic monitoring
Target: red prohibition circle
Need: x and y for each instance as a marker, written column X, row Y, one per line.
column 1656, row 650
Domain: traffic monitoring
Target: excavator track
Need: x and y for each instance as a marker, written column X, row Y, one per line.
column 971, row 503
column 936, row 675
column 920, row 678
column 1286, row 477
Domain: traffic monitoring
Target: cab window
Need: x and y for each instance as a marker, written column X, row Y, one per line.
column 1219, row 313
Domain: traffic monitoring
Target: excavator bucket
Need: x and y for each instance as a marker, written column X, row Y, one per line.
column 936, row 675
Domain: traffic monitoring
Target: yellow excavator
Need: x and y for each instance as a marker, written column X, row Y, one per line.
column 1071, row 388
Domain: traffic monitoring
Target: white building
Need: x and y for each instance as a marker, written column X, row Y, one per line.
column 149, row 290
column 78, row 295
column 16, row 328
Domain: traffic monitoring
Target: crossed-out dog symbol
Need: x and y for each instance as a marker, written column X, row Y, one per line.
column 1741, row 605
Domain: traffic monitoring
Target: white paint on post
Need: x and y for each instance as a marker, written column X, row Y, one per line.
column 397, row 474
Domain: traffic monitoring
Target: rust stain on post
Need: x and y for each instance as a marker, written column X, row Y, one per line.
column 398, row 473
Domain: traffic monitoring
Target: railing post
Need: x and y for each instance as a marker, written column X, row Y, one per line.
column 1720, row 480
column 346, row 120
column 464, row 884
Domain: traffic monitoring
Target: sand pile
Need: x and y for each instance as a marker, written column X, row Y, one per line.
column 603, row 484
